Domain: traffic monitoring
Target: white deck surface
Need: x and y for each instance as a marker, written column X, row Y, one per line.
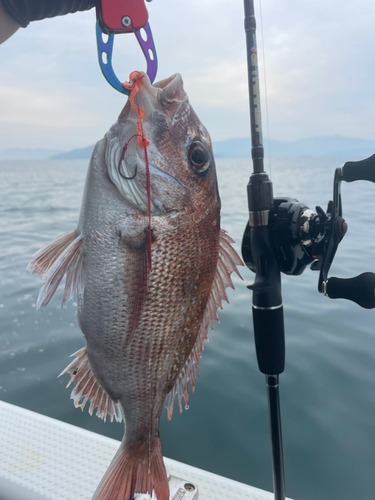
column 50, row 459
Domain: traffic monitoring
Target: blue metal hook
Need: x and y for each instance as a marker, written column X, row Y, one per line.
column 105, row 50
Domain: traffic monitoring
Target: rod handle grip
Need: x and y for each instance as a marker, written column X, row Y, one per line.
column 360, row 289
column 269, row 339
column 363, row 170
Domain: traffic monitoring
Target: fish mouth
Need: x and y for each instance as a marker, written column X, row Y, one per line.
column 131, row 181
column 129, row 166
column 166, row 95
column 171, row 88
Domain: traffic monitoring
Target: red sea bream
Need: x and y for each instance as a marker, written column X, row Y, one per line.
column 150, row 265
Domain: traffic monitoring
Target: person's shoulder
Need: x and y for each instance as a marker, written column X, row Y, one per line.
column 8, row 26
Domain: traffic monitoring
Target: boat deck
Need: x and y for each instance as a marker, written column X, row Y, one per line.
column 42, row 458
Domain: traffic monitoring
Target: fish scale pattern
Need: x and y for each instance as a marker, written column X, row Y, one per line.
column 190, row 286
column 178, row 290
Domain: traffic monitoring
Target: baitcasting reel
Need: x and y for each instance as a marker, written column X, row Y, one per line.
column 301, row 237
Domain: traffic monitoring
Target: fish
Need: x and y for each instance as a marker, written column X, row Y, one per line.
column 150, row 265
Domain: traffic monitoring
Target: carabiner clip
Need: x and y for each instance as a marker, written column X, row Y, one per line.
column 132, row 17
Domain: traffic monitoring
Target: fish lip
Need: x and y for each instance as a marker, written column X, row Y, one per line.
column 162, row 84
column 157, row 87
column 171, row 94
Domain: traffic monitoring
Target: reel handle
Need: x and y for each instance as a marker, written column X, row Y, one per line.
column 363, row 170
column 360, row 289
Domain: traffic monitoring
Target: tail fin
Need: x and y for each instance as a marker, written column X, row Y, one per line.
column 134, row 470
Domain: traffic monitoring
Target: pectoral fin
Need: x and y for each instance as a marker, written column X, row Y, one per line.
column 61, row 257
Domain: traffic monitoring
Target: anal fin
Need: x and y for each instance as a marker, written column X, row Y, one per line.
column 86, row 388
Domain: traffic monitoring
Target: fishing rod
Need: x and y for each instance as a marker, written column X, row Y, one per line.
column 284, row 235
column 267, row 308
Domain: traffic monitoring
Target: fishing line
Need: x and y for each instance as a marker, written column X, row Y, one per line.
column 135, row 81
column 265, row 89
column 137, row 53
column 145, row 144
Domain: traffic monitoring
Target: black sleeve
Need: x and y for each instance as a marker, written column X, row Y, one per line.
column 24, row 11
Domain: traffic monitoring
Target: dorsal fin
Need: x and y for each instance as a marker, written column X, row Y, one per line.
column 227, row 263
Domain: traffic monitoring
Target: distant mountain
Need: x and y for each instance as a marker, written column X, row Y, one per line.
column 233, row 148
column 334, row 146
column 311, row 147
column 28, row 154
column 75, row 154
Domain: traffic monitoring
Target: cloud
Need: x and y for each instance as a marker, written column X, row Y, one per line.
column 320, row 70
column 221, row 86
column 21, row 106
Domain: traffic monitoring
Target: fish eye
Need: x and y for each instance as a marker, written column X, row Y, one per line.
column 199, row 157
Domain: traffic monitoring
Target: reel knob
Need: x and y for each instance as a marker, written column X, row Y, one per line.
column 360, row 289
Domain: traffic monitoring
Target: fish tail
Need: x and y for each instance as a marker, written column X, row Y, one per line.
column 135, row 469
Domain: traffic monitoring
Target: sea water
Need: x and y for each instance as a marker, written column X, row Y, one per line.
column 327, row 390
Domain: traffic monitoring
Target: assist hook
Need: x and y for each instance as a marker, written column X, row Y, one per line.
column 128, row 16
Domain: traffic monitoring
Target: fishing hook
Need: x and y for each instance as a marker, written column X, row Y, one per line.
column 123, row 159
column 124, row 176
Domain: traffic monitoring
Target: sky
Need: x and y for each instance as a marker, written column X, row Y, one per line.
column 319, row 64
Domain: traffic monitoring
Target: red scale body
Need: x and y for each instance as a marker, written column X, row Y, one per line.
column 111, row 13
